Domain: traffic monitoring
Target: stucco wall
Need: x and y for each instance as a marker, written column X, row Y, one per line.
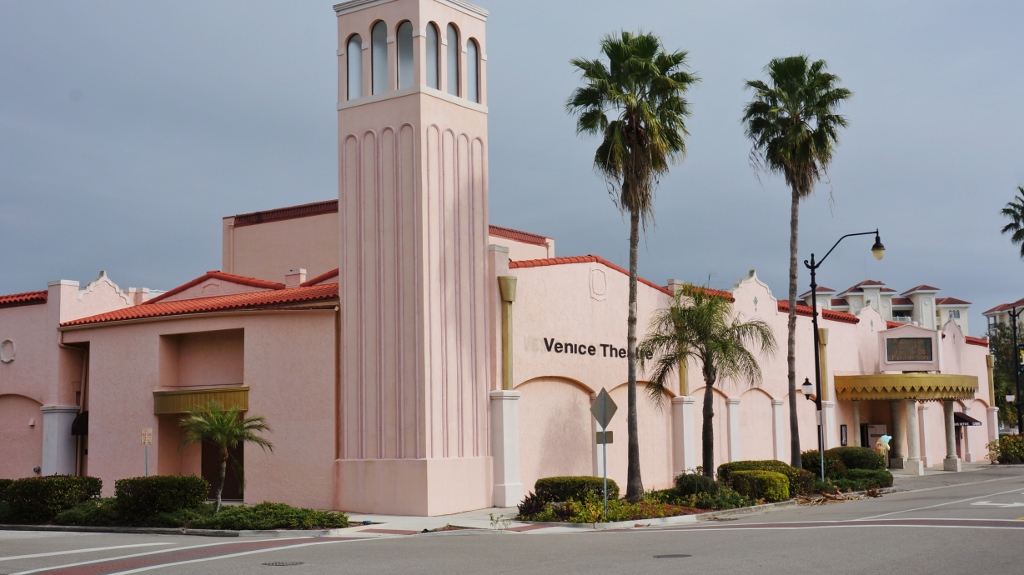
column 268, row 250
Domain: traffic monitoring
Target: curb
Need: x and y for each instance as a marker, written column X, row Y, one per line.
column 178, row 531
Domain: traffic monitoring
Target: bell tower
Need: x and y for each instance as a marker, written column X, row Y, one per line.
column 412, row 195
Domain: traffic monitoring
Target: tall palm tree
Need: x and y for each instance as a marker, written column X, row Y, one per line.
column 1015, row 211
column 793, row 125
column 636, row 104
column 698, row 326
column 226, row 429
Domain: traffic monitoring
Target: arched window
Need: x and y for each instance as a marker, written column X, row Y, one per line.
column 379, row 57
column 453, row 60
column 432, row 56
column 354, row 53
column 405, row 54
column 472, row 71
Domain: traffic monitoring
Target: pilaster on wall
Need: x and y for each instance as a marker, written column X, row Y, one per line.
column 684, row 454
column 733, row 409
column 778, row 429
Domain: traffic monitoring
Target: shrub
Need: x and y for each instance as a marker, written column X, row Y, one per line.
column 265, row 515
column 574, row 487
column 767, row 485
column 692, row 484
column 94, row 512
column 801, row 481
column 723, row 498
column 4, row 484
column 834, row 467
column 1008, row 449
column 531, row 505
column 139, row 498
column 857, row 457
column 40, row 499
column 871, row 478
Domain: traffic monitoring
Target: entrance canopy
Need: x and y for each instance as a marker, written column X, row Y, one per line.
column 919, row 386
column 964, row 420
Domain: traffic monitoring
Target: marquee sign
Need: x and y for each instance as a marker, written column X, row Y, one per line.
column 899, row 349
column 908, row 348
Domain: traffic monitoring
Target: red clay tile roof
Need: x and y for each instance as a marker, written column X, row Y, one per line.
column 324, row 276
column 833, row 315
column 902, row 301
column 837, row 302
column 516, row 235
column 216, row 274
column 950, row 301
column 858, row 287
column 239, row 301
column 26, row 298
column 599, row 260
column 893, row 324
column 922, row 287
column 976, row 341
column 288, row 213
column 821, row 290
column 1005, row 306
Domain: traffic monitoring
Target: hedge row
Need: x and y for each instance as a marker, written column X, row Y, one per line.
column 801, row 481
column 574, row 487
column 139, row 498
column 35, row 500
column 771, row 486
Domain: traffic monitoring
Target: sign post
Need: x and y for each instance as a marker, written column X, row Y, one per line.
column 147, row 440
column 603, row 410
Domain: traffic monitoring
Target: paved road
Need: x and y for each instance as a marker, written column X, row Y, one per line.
column 974, row 527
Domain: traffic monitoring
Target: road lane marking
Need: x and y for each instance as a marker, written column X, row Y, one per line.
column 233, row 542
column 229, row 556
column 990, row 504
column 937, row 505
column 86, row 550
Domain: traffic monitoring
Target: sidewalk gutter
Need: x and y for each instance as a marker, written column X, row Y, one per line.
column 180, row 531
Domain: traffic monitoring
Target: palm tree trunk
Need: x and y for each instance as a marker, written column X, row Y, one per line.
column 794, row 425
column 708, row 431
column 634, row 486
column 220, row 481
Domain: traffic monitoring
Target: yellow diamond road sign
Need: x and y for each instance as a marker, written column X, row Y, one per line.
column 603, row 408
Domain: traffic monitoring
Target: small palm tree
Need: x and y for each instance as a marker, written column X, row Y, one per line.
column 698, row 326
column 1015, row 211
column 636, row 104
column 226, row 429
column 794, row 127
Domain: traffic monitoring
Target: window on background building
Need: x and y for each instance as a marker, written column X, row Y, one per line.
column 354, row 53
column 954, row 314
column 379, row 57
column 453, row 60
column 433, row 53
column 405, row 54
column 472, row 71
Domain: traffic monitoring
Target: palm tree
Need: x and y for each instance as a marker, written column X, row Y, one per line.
column 226, row 429
column 794, row 127
column 697, row 326
column 636, row 104
column 1015, row 211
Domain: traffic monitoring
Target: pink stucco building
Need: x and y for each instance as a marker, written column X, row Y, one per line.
column 410, row 357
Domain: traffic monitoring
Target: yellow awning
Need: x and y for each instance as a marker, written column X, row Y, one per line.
column 179, row 401
column 921, row 386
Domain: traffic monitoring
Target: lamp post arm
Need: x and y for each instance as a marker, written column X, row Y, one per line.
column 836, row 244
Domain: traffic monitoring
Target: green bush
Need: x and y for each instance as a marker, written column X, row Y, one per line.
column 268, row 515
column 857, row 457
column 723, row 498
column 768, row 485
column 94, row 512
column 834, row 467
column 4, row 484
column 1007, row 450
column 574, row 487
column 692, row 484
column 139, row 498
column 40, row 499
column 801, row 481
column 531, row 505
column 870, row 478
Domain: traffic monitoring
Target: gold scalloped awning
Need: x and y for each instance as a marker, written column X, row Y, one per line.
column 180, row 401
column 921, row 386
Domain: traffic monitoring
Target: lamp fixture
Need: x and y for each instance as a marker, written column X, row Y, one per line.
column 878, row 250
column 807, row 388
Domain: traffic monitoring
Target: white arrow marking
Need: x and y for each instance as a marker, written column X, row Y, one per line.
column 990, row 504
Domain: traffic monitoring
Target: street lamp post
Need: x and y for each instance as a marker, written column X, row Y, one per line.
column 878, row 250
column 1014, row 314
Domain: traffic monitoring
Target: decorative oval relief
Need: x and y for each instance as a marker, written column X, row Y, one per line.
column 7, row 351
column 598, row 284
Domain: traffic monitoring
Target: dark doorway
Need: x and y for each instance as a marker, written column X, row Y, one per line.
column 211, row 471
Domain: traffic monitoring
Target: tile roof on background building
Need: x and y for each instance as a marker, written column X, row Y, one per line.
column 234, row 302
column 516, row 235
column 950, row 301
column 922, row 287
column 26, row 298
column 320, row 278
column 805, row 310
column 216, row 274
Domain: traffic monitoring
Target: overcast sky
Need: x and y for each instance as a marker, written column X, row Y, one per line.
column 128, row 129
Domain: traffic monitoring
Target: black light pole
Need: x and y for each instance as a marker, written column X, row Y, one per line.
column 1014, row 314
column 878, row 250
